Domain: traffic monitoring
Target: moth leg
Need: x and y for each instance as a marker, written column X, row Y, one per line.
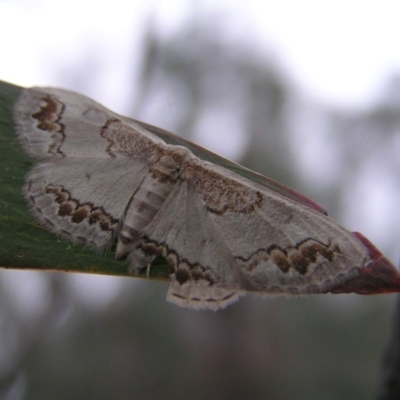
column 138, row 260
column 141, row 255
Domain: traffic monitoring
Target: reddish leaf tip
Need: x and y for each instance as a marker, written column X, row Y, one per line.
column 379, row 276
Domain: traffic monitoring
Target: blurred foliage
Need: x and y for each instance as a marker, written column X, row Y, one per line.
column 139, row 346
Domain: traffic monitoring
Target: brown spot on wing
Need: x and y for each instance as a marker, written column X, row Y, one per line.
column 125, row 140
column 48, row 119
column 182, row 270
column 182, row 276
column 78, row 212
column 222, row 193
column 298, row 257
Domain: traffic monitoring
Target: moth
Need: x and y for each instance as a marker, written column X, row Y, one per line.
column 101, row 178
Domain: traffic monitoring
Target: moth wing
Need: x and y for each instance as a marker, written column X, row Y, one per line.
column 90, row 162
column 83, row 200
column 200, row 260
column 224, row 235
column 59, row 123
column 209, row 156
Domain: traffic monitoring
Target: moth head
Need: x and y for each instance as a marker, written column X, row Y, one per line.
column 173, row 160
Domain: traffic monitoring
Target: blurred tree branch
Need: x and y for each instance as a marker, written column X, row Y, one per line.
column 390, row 375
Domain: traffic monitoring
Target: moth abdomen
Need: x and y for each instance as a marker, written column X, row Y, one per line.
column 151, row 195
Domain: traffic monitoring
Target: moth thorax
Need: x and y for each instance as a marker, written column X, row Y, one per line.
column 170, row 164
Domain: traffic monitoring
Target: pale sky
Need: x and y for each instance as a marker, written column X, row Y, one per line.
column 338, row 52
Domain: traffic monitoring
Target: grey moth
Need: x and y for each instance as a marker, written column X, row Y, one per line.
column 224, row 230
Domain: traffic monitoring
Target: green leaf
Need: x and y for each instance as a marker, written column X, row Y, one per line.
column 23, row 243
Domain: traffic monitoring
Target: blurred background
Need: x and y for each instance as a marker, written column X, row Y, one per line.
column 307, row 93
